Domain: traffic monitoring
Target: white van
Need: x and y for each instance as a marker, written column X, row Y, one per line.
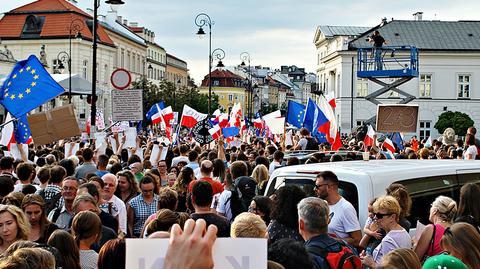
column 361, row 181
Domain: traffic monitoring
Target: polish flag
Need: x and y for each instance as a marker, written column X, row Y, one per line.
column 235, row 115
column 330, row 96
column 157, row 118
column 388, row 144
column 330, row 128
column 190, row 117
column 258, row 123
column 369, row 137
column 167, row 114
column 215, row 132
column 223, row 120
column 7, row 132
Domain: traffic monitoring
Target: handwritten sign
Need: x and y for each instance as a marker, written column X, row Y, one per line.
column 228, row 253
column 200, row 131
column 397, row 118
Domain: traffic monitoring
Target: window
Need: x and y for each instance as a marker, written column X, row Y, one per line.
column 105, row 74
column 360, row 122
column 230, row 97
column 33, row 26
column 55, row 65
column 85, row 69
column 215, row 83
column 425, row 129
column 362, row 87
column 122, row 58
column 425, row 86
column 463, row 86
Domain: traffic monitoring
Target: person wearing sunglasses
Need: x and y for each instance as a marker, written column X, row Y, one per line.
column 386, row 215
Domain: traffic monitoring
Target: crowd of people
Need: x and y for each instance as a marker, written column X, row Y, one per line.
column 75, row 210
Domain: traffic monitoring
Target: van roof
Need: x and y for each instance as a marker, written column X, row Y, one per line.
column 378, row 169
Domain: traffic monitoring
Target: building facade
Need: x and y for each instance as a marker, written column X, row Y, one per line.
column 229, row 87
column 448, row 67
column 177, row 71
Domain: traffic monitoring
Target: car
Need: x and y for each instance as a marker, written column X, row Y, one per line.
column 361, row 181
column 304, row 155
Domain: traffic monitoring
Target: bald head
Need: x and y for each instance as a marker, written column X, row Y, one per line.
column 110, row 181
column 206, row 168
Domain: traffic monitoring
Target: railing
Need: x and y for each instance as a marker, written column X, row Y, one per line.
column 388, row 61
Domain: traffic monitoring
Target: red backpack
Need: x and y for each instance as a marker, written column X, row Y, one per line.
column 345, row 258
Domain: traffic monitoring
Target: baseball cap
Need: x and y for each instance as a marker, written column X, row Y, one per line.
column 443, row 261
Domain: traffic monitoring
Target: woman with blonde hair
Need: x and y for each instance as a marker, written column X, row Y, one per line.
column 442, row 212
column 260, row 174
column 27, row 258
column 40, row 227
column 401, row 258
column 386, row 215
column 14, row 226
column 248, row 225
column 462, row 241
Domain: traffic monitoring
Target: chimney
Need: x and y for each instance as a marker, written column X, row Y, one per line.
column 133, row 24
column 418, row 16
column 119, row 19
column 125, row 22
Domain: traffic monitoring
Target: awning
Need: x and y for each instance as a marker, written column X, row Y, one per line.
column 79, row 84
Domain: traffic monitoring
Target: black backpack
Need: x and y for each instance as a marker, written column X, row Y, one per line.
column 50, row 204
column 236, row 204
column 312, row 144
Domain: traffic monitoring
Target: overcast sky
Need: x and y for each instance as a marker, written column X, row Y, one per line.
column 274, row 32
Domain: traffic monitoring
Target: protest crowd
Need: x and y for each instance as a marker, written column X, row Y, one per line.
column 73, row 203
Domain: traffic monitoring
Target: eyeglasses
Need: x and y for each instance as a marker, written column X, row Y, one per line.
column 380, row 215
column 69, row 189
column 320, row 185
column 252, row 209
column 147, row 191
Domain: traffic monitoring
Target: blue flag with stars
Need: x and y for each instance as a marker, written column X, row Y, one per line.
column 22, row 130
column 295, row 114
column 28, row 87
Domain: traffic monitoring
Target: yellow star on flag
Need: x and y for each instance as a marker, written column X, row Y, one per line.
column 35, row 77
column 28, row 90
column 20, row 95
column 33, row 84
column 9, row 83
column 28, row 68
column 33, row 71
column 6, row 95
column 14, row 76
column 21, row 70
column 12, row 96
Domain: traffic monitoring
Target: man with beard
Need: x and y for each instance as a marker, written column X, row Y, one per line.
column 344, row 223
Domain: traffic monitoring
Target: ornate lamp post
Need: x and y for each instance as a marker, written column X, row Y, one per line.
column 245, row 56
column 202, row 20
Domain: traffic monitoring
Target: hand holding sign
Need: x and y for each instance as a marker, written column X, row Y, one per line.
column 192, row 241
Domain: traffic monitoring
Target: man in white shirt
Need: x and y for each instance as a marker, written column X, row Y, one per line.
column 344, row 221
column 183, row 155
column 277, row 161
column 114, row 205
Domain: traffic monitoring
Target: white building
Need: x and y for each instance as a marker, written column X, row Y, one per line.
column 449, row 53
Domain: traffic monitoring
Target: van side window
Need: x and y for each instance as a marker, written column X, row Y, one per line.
column 349, row 192
column 423, row 192
column 468, row 178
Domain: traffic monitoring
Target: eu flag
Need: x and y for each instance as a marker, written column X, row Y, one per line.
column 314, row 116
column 22, row 130
column 230, row 131
column 397, row 139
column 295, row 114
column 28, row 87
column 154, row 109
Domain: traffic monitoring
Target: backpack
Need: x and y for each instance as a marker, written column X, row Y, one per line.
column 236, row 204
column 343, row 258
column 50, row 204
column 312, row 144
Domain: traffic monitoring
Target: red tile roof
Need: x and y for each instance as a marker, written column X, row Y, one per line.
column 225, row 77
column 56, row 25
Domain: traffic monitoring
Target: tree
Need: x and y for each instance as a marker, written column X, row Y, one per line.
column 459, row 121
column 268, row 108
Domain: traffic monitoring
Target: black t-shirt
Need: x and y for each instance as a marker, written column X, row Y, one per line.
column 378, row 40
column 222, row 223
column 108, row 220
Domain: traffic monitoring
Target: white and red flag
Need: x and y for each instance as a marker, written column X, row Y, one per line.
column 190, row 117
column 388, row 145
column 369, row 138
column 215, row 132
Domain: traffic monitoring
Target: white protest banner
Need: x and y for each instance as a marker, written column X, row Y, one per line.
column 69, row 150
column 120, row 127
column 276, row 125
column 138, row 152
column 100, row 143
column 228, row 253
column 131, row 140
column 273, row 115
column 16, row 152
column 154, row 154
column 289, row 138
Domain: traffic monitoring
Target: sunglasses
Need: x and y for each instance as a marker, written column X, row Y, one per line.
column 320, row 185
column 380, row 215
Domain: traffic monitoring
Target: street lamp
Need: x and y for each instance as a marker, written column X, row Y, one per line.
column 96, row 5
column 202, row 20
column 76, row 26
column 245, row 56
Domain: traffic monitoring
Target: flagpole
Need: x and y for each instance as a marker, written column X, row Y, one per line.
column 7, row 122
column 111, row 126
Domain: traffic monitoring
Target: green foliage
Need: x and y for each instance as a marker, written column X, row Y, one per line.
column 174, row 96
column 459, row 121
column 268, row 108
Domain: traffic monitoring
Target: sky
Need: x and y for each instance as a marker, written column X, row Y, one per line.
column 273, row 32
